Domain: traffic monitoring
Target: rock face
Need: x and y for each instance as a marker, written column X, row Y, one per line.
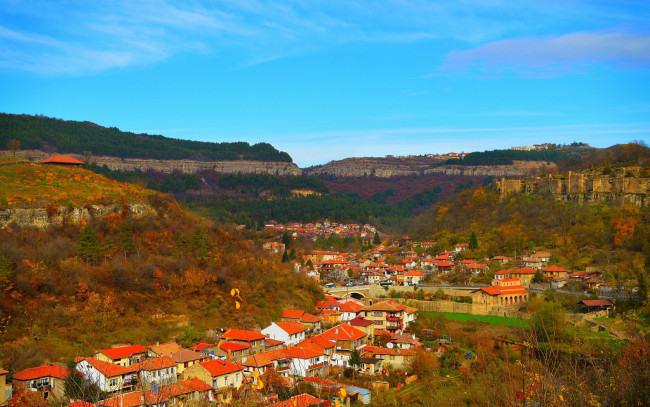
column 422, row 165
column 582, row 188
column 42, row 218
column 185, row 166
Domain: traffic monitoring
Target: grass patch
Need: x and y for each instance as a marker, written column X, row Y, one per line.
column 488, row 319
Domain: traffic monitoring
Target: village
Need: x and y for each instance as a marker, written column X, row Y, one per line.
column 361, row 327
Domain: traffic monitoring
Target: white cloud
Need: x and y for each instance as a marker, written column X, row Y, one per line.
column 554, row 55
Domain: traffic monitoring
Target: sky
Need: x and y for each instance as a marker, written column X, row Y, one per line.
column 326, row 80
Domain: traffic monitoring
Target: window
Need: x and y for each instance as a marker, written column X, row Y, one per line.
column 112, row 383
column 377, row 314
column 225, row 381
column 378, row 322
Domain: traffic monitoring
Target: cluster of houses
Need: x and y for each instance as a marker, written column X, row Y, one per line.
column 236, row 364
column 326, row 228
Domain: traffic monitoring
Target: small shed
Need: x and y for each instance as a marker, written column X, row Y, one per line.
column 358, row 394
column 595, row 305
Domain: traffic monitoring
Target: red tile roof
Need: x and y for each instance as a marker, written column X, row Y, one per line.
column 292, row 313
column 124, row 351
column 272, row 342
column 375, row 350
column 310, row 319
column 525, row 270
column 218, row 367
column 555, row 269
column 305, row 352
column 201, row 346
column 342, row 333
column 359, row 321
column 60, row 372
column 291, row 327
column 152, row 364
column 232, row 346
column 61, row 159
column 106, row 368
column 596, row 303
column 301, row 400
column 351, row 306
column 242, row 335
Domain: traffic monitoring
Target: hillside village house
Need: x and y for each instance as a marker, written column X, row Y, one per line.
column 349, row 310
column 385, row 316
column 185, row 358
column 109, row 377
column 254, row 339
column 347, row 338
column 124, row 355
column 233, row 352
column 413, row 277
column 48, row 380
column 163, row 349
column 302, row 317
column 277, row 359
column 555, row 272
column 223, row 376
column 368, row 327
column 396, row 357
column 525, row 275
column 158, row 371
column 505, row 291
column 288, row 332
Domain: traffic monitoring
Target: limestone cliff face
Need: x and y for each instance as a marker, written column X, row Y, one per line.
column 42, row 218
column 422, row 165
column 582, row 188
column 185, row 166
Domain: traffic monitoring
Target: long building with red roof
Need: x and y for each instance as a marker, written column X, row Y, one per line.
column 505, row 291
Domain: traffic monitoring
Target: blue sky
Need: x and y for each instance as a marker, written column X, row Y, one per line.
column 326, row 80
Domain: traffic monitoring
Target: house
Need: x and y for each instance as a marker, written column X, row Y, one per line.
column 595, row 305
column 186, row 392
column 185, row 358
column 124, row 355
column 204, row 348
column 163, row 349
column 303, row 400
column 233, row 352
column 413, row 277
column 274, row 247
column 109, row 377
column 154, row 371
column 301, row 317
column 384, row 316
column 307, row 361
column 224, row 377
column 500, row 259
column 3, row 386
column 396, row 357
column 553, row 272
column 254, row 339
column 364, row 325
column 134, row 399
column 349, row 310
column 461, row 247
column 330, row 316
column 371, row 366
column 47, row 380
column 278, row 360
column 272, row 344
column 532, row 262
column 525, row 275
column 290, row 332
column 346, row 338
column 505, row 291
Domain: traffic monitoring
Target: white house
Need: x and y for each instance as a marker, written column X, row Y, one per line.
column 159, row 371
column 306, row 361
column 290, row 332
column 109, row 377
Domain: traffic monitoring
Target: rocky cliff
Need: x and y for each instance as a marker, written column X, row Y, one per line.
column 422, row 165
column 42, row 218
column 583, row 188
column 168, row 166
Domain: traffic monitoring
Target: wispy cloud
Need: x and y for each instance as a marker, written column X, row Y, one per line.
column 554, row 55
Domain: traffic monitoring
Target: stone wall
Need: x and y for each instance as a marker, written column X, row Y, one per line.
column 184, row 166
column 42, row 218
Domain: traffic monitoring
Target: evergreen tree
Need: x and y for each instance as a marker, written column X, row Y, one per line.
column 285, row 257
column 87, row 246
column 286, row 239
column 376, row 240
column 125, row 241
column 473, row 242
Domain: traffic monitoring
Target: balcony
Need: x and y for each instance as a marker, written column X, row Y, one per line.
column 316, row 366
column 393, row 318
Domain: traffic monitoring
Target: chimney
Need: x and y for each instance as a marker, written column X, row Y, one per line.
column 157, row 343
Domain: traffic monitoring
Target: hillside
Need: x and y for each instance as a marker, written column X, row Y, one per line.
column 66, row 136
column 113, row 277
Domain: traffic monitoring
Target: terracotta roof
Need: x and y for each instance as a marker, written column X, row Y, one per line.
column 165, row 349
column 186, row 355
column 106, row 368
column 232, row 346
column 61, row 159
column 343, row 333
column 133, row 399
column 291, row 327
column 152, row 364
column 375, row 350
column 186, row 386
column 596, row 303
column 310, row 319
column 555, row 269
column 265, row 358
column 60, row 372
column 382, row 306
column 444, row 264
column 359, row 321
column 201, row 345
column 305, row 352
column 273, row 342
column 492, row 290
column 414, row 273
column 316, row 341
column 80, row 403
column 301, row 400
column 524, row 270
column 351, row 307
column 509, row 279
column 124, row 351
column 218, row 367
column 243, row 335
column 292, row 313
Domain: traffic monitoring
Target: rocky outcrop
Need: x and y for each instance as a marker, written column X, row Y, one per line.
column 42, row 218
column 422, row 165
column 582, row 188
column 184, row 166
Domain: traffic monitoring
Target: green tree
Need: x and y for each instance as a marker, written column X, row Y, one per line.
column 87, row 246
column 285, row 257
column 13, row 145
column 376, row 240
column 6, row 270
column 125, row 241
column 473, row 242
column 539, row 277
column 286, row 239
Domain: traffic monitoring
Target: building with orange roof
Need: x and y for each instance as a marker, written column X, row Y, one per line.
column 163, row 349
column 347, row 338
column 278, row 359
column 303, row 400
column 185, row 358
column 325, row 345
column 224, row 377
column 256, row 340
column 48, row 380
column 554, row 272
column 349, row 310
column 109, row 377
column 302, row 317
column 232, row 351
column 396, row 357
column 505, row 291
column 186, row 392
column 385, row 316
column 290, row 332
column 158, row 371
column 61, row 160
column 413, row 277
column 123, row 355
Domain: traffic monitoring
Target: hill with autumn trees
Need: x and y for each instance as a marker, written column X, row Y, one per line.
column 72, row 289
